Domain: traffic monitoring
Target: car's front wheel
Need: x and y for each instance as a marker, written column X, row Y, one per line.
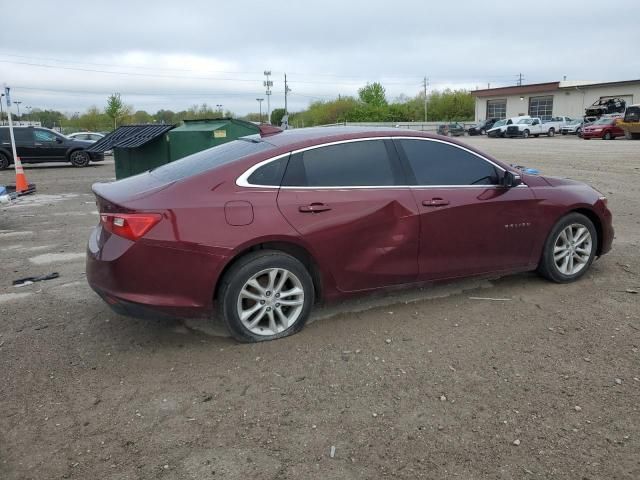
column 569, row 249
column 266, row 295
column 79, row 158
column 525, row 134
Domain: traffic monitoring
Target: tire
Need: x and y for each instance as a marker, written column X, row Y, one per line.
column 607, row 136
column 272, row 320
column 79, row 158
column 483, row 132
column 561, row 247
column 536, row 135
column 4, row 161
column 551, row 132
column 525, row 134
column 563, row 132
column 579, row 132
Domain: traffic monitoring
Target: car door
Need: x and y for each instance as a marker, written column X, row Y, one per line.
column 469, row 224
column 24, row 142
column 48, row 146
column 350, row 203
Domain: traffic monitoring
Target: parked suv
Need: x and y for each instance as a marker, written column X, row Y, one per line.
column 36, row 145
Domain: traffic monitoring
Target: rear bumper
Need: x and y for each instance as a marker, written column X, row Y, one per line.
column 151, row 280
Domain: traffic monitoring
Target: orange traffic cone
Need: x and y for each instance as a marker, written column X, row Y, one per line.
column 21, row 180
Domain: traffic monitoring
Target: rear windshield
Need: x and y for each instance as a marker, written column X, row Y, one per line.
column 206, row 160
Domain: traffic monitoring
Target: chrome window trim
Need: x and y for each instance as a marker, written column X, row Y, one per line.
column 242, row 180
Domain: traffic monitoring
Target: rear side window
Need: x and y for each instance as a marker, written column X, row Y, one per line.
column 352, row 164
column 269, row 174
column 23, row 135
column 211, row 158
column 438, row 163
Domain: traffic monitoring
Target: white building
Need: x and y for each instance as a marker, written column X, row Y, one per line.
column 550, row 99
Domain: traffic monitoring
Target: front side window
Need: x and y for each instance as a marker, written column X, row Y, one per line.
column 438, row 163
column 44, row 136
column 351, row 164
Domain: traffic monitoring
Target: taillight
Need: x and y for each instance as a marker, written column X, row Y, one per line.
column 132, row 226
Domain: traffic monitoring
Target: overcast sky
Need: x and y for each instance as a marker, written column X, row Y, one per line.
column 173, row 54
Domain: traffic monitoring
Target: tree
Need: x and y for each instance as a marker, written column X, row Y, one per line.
column 276, row 116
column 116, row 109
column 373, row 94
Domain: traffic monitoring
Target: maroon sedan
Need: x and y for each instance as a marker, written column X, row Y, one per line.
column 604, row 128
column 265, row 226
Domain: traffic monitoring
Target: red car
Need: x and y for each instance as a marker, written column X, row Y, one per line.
column 263, row 227
column 604, row 128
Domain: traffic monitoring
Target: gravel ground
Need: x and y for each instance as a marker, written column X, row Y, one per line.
column 418, row 384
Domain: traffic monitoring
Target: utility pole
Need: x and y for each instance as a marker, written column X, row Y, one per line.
column 520, row 77
column 425, row 84
column 260, row 100
column 268, row 84
column 286, row 94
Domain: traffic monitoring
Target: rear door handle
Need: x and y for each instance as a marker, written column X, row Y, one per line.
column 314, row 208
column 435, row 202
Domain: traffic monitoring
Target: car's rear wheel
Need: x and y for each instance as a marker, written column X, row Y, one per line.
column 483, row 132
column 551, row 132
column 79, row 158
column 266, row 295
column 4, row 161
column 569, row 249
column 607, row 136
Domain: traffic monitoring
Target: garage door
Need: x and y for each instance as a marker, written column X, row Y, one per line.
column 497, row 108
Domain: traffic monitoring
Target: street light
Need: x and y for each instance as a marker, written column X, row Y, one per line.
column 18, row 105
column 219, row 107
column 260, row 100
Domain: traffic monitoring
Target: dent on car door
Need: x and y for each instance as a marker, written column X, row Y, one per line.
column 347, row 202
column 469, row 224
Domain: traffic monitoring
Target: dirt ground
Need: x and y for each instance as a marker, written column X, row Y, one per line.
column 420, row 384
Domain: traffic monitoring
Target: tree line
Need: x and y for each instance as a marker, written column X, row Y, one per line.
column 371, row 105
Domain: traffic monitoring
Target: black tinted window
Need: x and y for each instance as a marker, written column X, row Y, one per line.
column 269, row 174
column 353, row 164
column 210, row 158
column 437, row 163
column 23, row 135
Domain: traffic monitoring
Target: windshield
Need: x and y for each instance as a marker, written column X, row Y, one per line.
column 604, row 121
column 526, row 121
column 208, row 159
column 499, row 123
column 575, row 122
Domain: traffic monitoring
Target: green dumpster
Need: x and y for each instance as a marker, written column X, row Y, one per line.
column 197, row 135
column 136, row 148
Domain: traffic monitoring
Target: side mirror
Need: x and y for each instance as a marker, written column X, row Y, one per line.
column 59, row 140
column 510, row 179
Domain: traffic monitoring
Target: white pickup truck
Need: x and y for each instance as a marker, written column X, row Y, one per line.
column 500, row 127
column 532, row 126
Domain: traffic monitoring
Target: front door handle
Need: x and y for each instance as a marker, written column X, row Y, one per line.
column 314, row 208
column 435, row 202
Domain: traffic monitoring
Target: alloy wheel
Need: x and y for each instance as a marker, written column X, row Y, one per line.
column 270, row 302
column 572, row 249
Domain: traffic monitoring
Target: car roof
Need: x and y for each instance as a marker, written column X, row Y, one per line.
column 317, row 135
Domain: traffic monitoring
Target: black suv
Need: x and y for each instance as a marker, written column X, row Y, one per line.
column 36, row 145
